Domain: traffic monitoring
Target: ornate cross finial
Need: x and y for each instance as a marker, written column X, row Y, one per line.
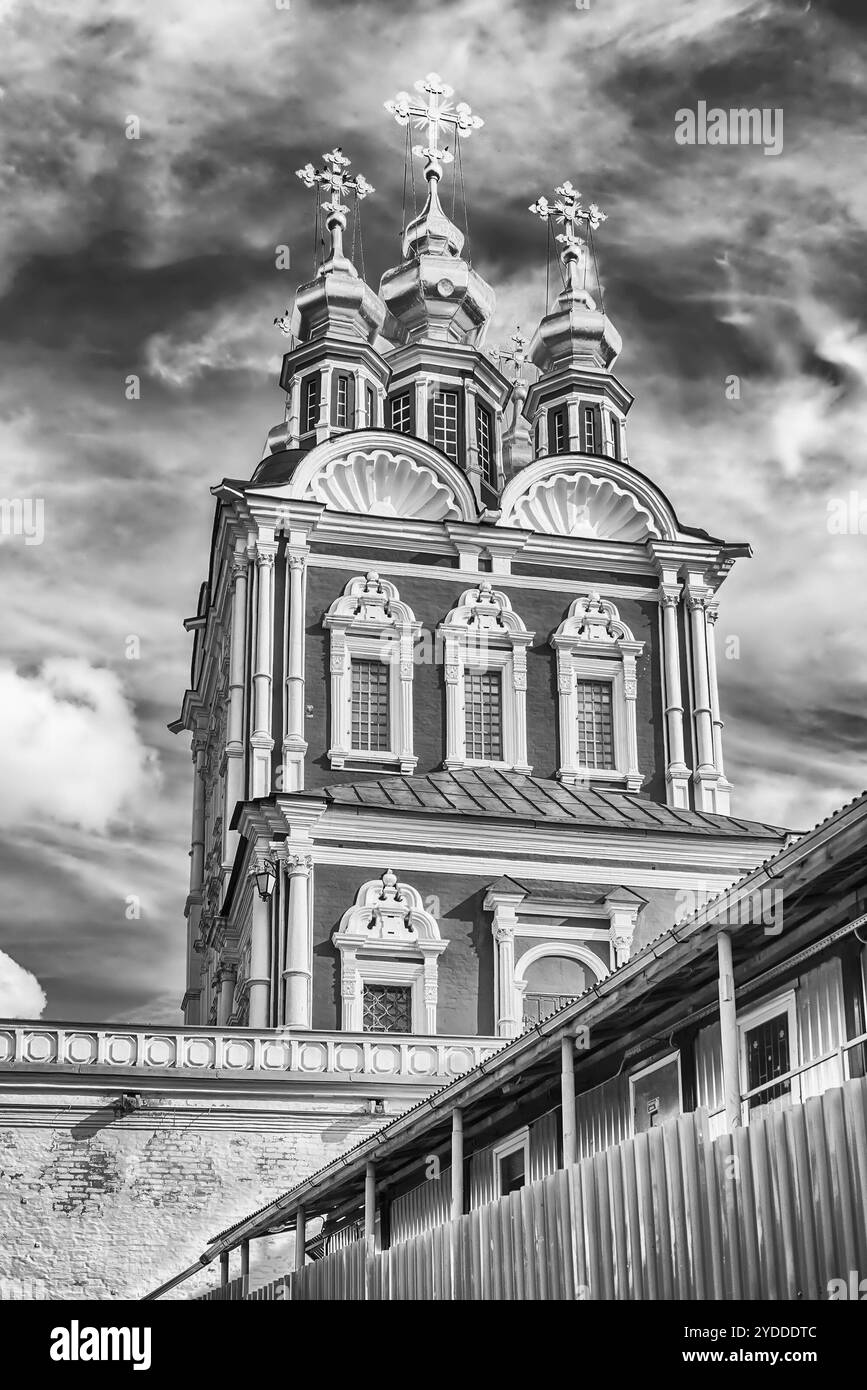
column 337, row 182
column 437, row 112
column 518, row 355
column 568, row 212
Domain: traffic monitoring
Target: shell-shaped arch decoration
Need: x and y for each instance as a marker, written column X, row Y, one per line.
column 576, row 504
column 380, row 483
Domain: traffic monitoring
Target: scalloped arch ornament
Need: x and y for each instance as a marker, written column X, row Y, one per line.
column 382, row 483
column 578, row 504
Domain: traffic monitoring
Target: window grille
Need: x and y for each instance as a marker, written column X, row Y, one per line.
column 387, row 1009
column 483, row 715
column 595, row 725
column 589, row 430
column 369, row 721
column 400, row 415
column 342, row 407
column 485, row 442
column 445, row 418
column 311, row 404
column 768, row 1056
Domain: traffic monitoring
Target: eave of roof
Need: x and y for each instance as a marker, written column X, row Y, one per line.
column 492, row 793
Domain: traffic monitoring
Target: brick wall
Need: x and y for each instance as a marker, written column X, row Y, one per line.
column 94, row 1206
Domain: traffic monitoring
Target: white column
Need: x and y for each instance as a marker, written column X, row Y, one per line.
column 294, row 412
column 474, row 471
column 677, row 772
column 294, row 742
column 567, row 1101
column 453, row 672
column 225, row 998
column 261, row 741
column 195, row 901
column 421, row 395
column 234, row 784
column 630, row 652
column 457, row 1207
column 298, row 969
column 573, row 415
column 323, row 424
column 360, row 412
column 723, row 784
column 519, row 728
column 260, row 962
column 705, row 776
column 504, row 935
column 729, row 1032
column 406, row 675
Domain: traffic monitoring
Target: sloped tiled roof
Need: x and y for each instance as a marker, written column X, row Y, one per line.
column 507, row 795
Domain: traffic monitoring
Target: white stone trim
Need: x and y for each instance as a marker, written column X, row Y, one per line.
column 593, row 644
column 368, row 622
column 557, row 939
column 387, row 937
column 482, row 633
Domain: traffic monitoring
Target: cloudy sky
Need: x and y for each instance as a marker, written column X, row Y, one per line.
column 155, row 257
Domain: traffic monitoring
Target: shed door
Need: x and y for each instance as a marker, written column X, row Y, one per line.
column 656, row 1093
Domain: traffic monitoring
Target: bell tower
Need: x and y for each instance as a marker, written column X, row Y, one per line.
column 450, row 638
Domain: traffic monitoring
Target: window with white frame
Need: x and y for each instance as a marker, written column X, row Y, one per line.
column 372, row 640
column 310, row 407
column 512, row 1163
column 597, row 685
column 485, row 655
column 483, row 715
column 445, row 422
column 369, row 722
column 768, row 1041
column 400, row 413
column 342, row 401
column 485, row 444
column 389, row 947
column 595, row 733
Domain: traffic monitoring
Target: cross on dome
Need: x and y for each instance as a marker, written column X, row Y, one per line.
column 337, row 182
column 568, row 211
column 518, row 355
column 439, row 111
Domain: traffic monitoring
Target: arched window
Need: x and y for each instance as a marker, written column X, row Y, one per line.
column 389, row 949
column 485, row 656
column 372, row 639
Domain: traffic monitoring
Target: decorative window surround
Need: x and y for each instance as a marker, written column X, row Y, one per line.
column 593, row 644
column 513, row 911
column 481, row 633
column 368, row 622
column 387, row 938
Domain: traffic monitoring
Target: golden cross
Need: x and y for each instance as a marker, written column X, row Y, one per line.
column 438, row 111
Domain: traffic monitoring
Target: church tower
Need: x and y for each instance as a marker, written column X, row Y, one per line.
column 455, row 724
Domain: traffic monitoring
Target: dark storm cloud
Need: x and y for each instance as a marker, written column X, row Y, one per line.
column 156, row 256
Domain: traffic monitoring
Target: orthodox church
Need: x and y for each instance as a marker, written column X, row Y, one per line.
column 455, row 722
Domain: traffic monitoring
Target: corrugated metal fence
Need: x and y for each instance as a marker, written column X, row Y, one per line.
column 776, row 1211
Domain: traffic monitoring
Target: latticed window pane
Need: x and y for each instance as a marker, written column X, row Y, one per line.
column 369, row 722
column 445, row 414
column 387, row 1009
column 767, row 1057
column 400, row 414
column 483, row 715
column 558, row 422
column 342, row 412
column 595, row 724
column 589, row 431
column 485, row 441
column 311, row 403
